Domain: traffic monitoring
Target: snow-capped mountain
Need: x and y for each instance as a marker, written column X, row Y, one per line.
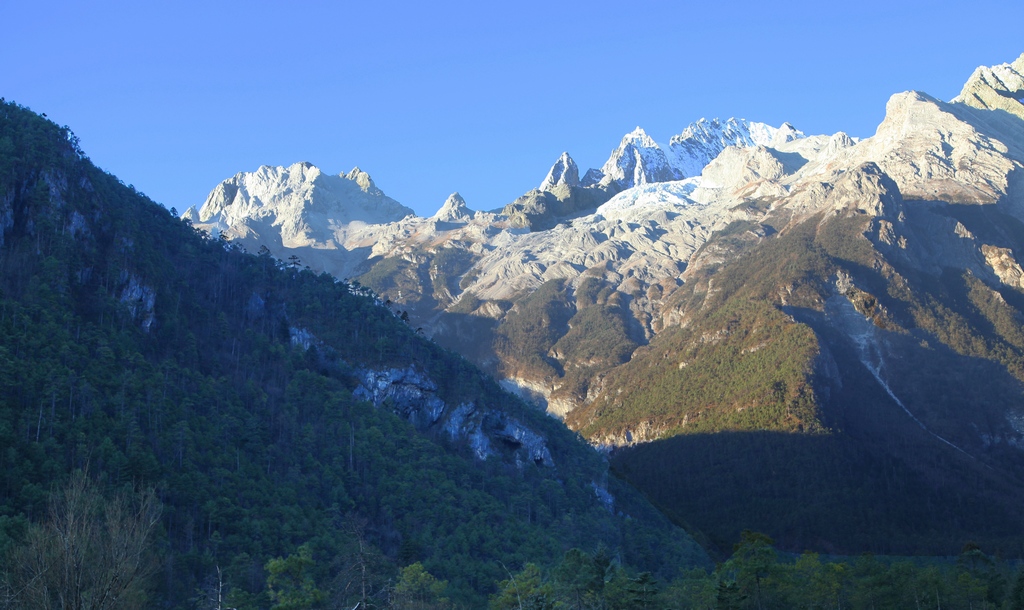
column 638, row 217
column 641, row 223
column 564, row 172
column 640, row 160
column 299, row 204
column 704, row 140
column 746, row 253
column 454, row 210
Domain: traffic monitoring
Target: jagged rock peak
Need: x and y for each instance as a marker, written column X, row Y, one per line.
column 564, row 171
column 996, row 88
column 286, row 196
column 454, row 210
column 191, row 214
column 638, row 160
column 592, row 177
column 785, row 133
column 640, row 137
column 363, row 180
column 702, row 141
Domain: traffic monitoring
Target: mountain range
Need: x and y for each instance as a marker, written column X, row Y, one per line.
column 813, row 336
column 186, row 425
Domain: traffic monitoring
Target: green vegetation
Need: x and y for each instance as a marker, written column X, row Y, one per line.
column 745, row 367
column 769, row 419
column 599, row 337
column 395, row 275
column 99, row 553
column 739, row 363
column 756, row 576
column 148, row 355
column 529, row 331
column 446, row 267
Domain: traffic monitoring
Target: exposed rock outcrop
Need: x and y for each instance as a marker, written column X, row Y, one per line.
column 139, row 298
column 1004, row 265
column 996, row 88
column 638, row 160
column 454, row 210
column 413, row 396
column 934, row 154
column 563, row 173
column 299, row 205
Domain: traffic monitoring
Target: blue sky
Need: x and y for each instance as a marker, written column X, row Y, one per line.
column 475, row 97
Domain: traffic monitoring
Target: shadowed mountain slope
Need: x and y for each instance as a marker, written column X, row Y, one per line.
column 269, row 406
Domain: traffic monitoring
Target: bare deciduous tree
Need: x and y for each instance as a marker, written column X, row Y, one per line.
column 91, row 554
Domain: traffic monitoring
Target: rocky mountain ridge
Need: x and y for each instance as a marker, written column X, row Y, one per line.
column 460, row 274
column 808, row 284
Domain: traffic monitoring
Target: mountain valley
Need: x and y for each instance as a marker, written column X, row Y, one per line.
column 748, row 336
column 750, row 280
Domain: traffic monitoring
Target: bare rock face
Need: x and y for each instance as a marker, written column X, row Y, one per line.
column 935, row 152
column 454, row 210
column 299, row 203
column 996, row 88
column 736, row 169
column 413, row 396
column 139, row 298
column 1004, row 265
column 540, row 210
column 638, row 160
column 866, row 190
column 563, row 172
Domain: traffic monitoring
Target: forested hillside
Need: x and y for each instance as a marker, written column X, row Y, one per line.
column 149, row 356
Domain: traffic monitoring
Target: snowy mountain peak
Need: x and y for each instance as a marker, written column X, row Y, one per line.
column 786, row 133
column 300, row 200
column 640, row 137
column 564, row 171
column 637, row 160
column 996, row 88
column 640, row 160
column 454, row 210
column 363, row 180
column 702, row 141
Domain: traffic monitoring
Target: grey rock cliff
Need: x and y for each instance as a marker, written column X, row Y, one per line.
column 996, row 88
column 454, row 210
column 413, row 396
column 563, row 172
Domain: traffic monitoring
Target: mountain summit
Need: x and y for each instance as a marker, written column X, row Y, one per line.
column 300, row 204
column 996, row 88
column 638, row 160
column 563, row 172
column 701, row 142
column 454, row 210
column 765, row 296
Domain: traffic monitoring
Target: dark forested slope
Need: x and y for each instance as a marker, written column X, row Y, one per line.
column 243, row 390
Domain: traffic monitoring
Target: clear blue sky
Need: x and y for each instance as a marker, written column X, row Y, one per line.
column 477, row 97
